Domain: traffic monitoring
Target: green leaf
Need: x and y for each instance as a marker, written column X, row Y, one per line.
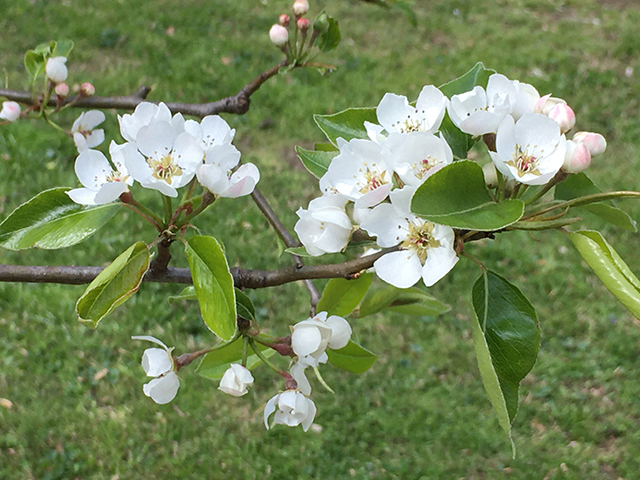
column 477, row 76
column 114, row 285
column 45, row 48
column 62, row 48
column 459, row 141
column 329, row 36
column 579, row 185
column 506, row 338
column 347, row 124
column 612, row 271
column 188, row 293
column 244, row 305
column 51, row 220
column 214, row 285
column 414, row 301
column 216, row 362
column 342, row 296
column 457, row 196
column 352, row 358
column 378, row 300
column 317, row 162
column 325, row 147
column 300, row 251
column 34, row 63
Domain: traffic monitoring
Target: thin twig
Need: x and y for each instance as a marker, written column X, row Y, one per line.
column 238, row 104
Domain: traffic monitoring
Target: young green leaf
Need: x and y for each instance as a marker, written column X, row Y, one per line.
column 244, row 305
column 187, row 293
column 506, row 338
column 216, row 362
column 34, row 63
column 214, row 285
column 612, row 271
column 62, row 48
column 459, row 141
column 477, row 76
column 352, row 358
column 341, row 296
column 347, row 124
column 114, row 285
column 317, row 162
column 414, row 301
column 457, row 196
column 51, row 220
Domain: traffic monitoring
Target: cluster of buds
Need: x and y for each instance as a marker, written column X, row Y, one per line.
column 279, row 32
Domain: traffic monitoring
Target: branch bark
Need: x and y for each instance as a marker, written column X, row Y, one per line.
column 238, row 104
column 242, row 278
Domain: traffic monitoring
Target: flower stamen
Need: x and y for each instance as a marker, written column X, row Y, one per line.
column 420, row 239
column 524, row 162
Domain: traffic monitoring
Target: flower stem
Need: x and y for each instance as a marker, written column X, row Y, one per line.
column 168, row 210
column 145, row 216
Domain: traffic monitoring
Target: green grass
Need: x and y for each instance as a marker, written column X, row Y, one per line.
column 421, row 411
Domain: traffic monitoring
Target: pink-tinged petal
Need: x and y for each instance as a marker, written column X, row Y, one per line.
column 340, row 332
column 393, row 109
column 92, row 169
column 156, row 361
column 438, row 263
column 595, row 143
column 83, row 196
column 577, row 158
column 155, row 140
column 163, row 389
column 401, row 269
column 384, row 223
column 243, row 181
column 269, row 408
column 110, row 192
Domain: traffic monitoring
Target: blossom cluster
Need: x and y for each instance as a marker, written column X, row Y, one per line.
column 369, row 184
column 162, row 152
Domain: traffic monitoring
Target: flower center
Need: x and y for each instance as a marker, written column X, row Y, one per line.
column 420, row 239
column 116, row 176
column 421, row 168
column 524, row 162
column 165, row 168
column 371, row 179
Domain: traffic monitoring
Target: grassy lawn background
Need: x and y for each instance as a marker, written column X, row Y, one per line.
column 421, row 412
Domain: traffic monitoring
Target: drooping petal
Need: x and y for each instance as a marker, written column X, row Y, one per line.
column 269, row 408
column 150, row 338
column 163, row 389
column 297, row 372
column 156, row 361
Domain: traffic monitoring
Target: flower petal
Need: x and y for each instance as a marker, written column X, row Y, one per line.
column 163, row 389
column 401, row 269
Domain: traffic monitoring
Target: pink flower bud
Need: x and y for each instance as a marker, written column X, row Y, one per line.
column 577, row 158
column 278, row 35
column 300, row 7
column 284, row 20
column 62, row 90
column 87, row 89
column 10, row 111
column 564, row 116
column 545, row 104
column 303, row 24
column 595, row 143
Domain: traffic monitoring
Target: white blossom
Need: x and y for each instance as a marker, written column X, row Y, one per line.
column 158, row 363
column 10, row 111
column 526, row 98
column 417, row 156
column 218, row 176
column 170, row 160
column 145, row 114
column 210, row 132
column 531, row 150
column 396, row 115
column 478, row 111
column 324, row 227
column 311, row 337
column 85, row 135
column 427, row 249
column 56, row 69
column 102, row 183
column 291, row 408
column 236, row 380
column 359, row 173
column 278, row 35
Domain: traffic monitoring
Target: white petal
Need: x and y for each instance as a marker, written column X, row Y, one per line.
column 213, row 178
column 95, row 138
column 438, row 263
column 92, row 119
column 225, row 156
column 269, row 408
column 92, row 169
column 156, row 361
column 384, row 223
column 305, row 339
column 110, row 192
column 393, row 109
column 155, row 140
column 401, row 269
column 83, row 196
column 340, row 332
column 297, row 372
column 150, row 338
column 243, row 181
column 163, row 389
column 311, row 413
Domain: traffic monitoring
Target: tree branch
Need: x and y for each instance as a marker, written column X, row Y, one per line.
column 238, row 104
column 242, row 278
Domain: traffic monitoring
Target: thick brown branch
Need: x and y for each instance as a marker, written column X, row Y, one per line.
column 238, row 104
column 243, row 278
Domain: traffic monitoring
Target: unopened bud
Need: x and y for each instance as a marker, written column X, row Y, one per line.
column 87, row 89
column 300, row 7
column 564, row 116
column 10, row 111
column 577, row 158
column 545, row 104
column 303, row 25
column 284, row 20
column 278, row 35
column 490, row 175
column 595, row 143
column 56, row 69
column 62, row 90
